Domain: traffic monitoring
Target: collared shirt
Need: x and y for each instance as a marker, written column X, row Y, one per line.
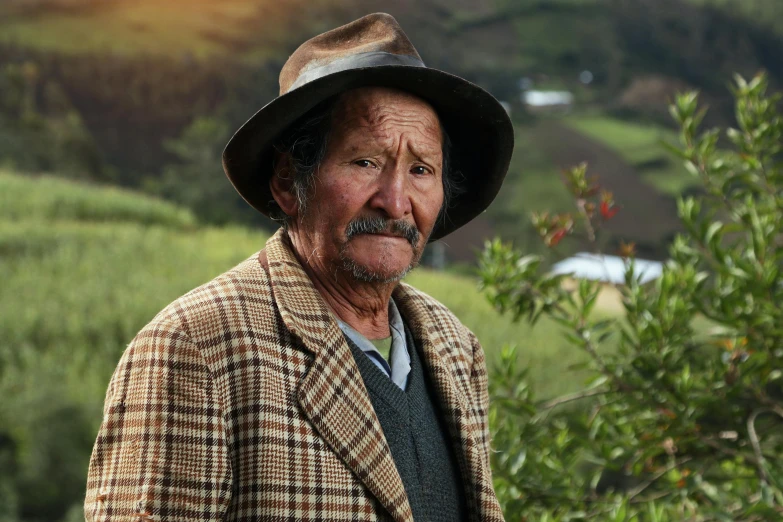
column 399, row 365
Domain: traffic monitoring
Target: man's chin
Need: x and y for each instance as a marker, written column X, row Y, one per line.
column 379, row 275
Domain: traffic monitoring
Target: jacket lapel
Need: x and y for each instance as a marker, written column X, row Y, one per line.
column 435, row 345
column 332, row 394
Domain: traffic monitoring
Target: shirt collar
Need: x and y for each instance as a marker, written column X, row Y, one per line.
column 399, row 365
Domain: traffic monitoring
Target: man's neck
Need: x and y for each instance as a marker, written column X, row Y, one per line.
column 370, row 321
column 363, row 306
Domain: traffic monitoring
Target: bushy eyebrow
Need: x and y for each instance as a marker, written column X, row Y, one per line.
column 427, row 154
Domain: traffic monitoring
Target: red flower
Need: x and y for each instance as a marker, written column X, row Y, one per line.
column 608, row 210
column 556, row 236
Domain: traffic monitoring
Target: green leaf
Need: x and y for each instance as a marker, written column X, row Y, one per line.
column 713, row 232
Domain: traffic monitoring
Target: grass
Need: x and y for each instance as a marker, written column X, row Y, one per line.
column 47, row 198
column 78, row 292
column 640, row 145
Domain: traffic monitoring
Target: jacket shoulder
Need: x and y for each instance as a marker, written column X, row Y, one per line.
column 221, row 306
column 425, row 308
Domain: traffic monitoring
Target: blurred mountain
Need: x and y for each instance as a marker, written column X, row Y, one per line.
column 523, row 36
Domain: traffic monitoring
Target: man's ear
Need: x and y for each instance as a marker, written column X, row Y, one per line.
column 282, row 185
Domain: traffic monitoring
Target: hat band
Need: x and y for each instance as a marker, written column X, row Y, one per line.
column 356, row 61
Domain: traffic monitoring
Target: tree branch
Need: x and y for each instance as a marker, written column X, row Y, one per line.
column 552, row 403
column 644, row 485
column 754, row 442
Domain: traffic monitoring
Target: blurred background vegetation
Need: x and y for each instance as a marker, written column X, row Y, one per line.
column 113, row 116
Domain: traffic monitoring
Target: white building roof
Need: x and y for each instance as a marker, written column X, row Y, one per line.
column 609, row 269
column 547, row 98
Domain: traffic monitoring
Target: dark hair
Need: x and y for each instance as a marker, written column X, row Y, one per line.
column 306, row 141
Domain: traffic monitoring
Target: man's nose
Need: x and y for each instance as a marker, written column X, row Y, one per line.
column 392, row 196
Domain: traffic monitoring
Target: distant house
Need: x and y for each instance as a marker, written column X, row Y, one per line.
column 547, row 100
column 608, row 269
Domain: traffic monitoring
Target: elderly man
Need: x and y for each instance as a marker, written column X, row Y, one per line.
column 309, row 383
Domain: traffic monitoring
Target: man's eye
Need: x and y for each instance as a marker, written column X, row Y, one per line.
column 364, row 163
column 420, row 170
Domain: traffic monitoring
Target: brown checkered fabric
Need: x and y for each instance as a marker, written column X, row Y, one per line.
column 241, row 401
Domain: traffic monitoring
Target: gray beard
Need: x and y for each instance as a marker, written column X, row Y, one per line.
column 363, row 274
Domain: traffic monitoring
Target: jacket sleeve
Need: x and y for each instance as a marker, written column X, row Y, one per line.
column 479, row 382
column 161, row 451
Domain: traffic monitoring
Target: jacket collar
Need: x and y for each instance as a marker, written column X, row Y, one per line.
column 435, row 346
column 333, row 397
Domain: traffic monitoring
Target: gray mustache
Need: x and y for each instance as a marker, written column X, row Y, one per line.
column 376, row 225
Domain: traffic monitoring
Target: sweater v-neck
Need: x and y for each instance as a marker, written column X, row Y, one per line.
column 391, row 394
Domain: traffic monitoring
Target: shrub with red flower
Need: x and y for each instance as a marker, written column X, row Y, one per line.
column 682, row 417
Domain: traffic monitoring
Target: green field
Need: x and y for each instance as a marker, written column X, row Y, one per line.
column 639, row 144
column 52, row 199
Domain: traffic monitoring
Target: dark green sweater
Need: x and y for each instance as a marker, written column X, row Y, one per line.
column 418, row 438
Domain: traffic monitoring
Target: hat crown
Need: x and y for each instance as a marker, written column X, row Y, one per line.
column 374, row 33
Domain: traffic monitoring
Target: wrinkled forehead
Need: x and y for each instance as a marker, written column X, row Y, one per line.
column 380, row 113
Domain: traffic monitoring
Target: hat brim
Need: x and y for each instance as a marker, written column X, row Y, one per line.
column 481, row 133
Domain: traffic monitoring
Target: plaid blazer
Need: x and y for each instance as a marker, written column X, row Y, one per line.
column 241, row 401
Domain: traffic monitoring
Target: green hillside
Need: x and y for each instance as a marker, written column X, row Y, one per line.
column 196, row 28
column 200, row 28
column 52, row 199
column 83, row 268
column 640, row 144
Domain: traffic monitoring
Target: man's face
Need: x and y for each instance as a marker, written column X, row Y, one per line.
column 379, row 188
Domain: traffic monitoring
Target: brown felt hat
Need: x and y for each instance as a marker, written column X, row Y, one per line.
column 374, row 51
